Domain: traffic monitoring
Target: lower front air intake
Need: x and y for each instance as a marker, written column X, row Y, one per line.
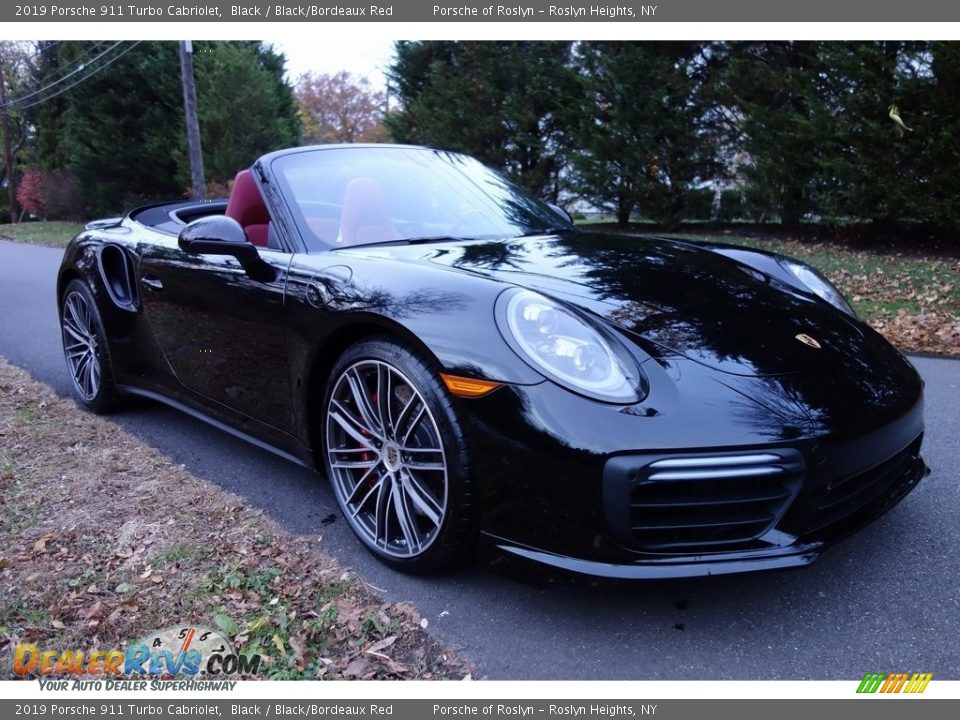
column 699, row 502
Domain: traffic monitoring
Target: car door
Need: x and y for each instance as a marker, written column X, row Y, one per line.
column 220, row 330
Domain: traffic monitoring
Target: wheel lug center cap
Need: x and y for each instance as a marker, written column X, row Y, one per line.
column 391, row 457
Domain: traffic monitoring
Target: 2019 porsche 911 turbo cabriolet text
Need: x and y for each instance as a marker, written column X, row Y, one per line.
column 461, row 362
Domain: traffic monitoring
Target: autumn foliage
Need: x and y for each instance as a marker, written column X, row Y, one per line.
column 30, row 193
column 49, row 195
column 340, row 108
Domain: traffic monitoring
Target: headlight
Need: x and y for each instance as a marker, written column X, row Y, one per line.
column 567, row 348
column 818, row 285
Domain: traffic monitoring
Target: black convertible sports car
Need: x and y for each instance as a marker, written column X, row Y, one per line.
column 461, row 361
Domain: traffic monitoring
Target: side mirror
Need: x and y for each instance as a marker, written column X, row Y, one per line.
column 562, row 212
column 222, row 235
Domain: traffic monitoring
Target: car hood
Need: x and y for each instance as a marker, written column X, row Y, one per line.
column 671, row 297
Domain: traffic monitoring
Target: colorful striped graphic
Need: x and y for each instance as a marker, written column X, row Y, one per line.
column 894, row 682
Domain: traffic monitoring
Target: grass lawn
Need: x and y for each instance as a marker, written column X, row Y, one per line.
column 52, row 234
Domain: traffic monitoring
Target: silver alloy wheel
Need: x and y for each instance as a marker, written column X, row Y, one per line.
column 386, row 459
column 80, row 344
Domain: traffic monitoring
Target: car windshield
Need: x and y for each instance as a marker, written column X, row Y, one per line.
column 346, row 196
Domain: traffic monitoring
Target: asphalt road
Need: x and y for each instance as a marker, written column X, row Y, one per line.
column 885, row 600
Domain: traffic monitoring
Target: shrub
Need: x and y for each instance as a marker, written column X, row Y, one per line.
column 61, row 196
column 698, row 204
column 732, row 206
column 30, row 193
column 50, row 195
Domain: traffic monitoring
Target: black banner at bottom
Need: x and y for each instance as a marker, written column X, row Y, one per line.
column 874, row 708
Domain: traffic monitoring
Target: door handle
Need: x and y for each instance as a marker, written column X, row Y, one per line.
column 154, row 283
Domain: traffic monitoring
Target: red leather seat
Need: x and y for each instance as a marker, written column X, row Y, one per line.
column 246, row 206
column 364, row 217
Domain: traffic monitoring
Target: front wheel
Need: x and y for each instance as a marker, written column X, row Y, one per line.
column 397, row 459
column 85, row 348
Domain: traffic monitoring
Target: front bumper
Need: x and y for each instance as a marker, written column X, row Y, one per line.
column 684, row 512
column 773, row 550
column 677, row 567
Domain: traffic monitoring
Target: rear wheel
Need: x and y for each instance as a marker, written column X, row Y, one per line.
column 396, row 458
column 85, row 348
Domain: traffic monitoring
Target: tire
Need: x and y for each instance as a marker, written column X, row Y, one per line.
column 404, row 483
column 85, row 349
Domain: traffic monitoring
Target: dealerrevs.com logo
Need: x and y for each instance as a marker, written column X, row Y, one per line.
column 190, row 651
column 895, row 682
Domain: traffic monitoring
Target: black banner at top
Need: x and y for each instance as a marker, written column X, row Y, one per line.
column 473, row 11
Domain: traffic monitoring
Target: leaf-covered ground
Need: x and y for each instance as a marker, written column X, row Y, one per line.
column 103, row 540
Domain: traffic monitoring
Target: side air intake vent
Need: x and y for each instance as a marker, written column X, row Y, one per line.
column 116, row 269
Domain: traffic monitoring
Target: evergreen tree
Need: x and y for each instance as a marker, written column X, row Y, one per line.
column 497, row 101
column 772, row 88
column 866, row 167
column 121, row 132
column 245, row 107
column 639, row 127
column 934, row 144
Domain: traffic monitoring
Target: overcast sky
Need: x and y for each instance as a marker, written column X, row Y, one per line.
column 368, row 57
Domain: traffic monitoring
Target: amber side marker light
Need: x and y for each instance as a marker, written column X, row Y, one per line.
column 468, row 387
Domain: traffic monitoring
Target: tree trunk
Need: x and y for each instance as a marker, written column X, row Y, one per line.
column 7, row 145
column 193, row 126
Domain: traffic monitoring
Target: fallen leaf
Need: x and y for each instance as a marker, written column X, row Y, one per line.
column 227, row 624
column 257, row 625
column 299, row 653
column 356, row 668
column 93, row 610
column 381, row 645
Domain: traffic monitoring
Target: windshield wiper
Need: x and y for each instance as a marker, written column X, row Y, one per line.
column 436, row 238
column 426, row 239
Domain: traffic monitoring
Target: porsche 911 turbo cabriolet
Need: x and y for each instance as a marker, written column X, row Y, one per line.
column 462, row 363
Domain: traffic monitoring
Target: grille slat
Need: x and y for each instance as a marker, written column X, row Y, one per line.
column 710, row 501
column 850, row 491
column 697, row 462
column 718, row 474
column 734, row 499
column 844, row 497
column 718, row 523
